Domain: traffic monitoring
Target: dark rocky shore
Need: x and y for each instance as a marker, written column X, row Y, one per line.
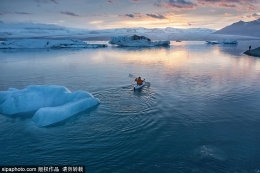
column 253, row 52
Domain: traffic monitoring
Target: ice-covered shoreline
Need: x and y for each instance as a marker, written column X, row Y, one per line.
column 163, row 36
column 46, row 44
column 49, row 31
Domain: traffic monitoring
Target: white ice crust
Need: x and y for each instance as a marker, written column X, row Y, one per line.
column 136, row 41
column 46, row 44
column 51, row 103
column 223, row 42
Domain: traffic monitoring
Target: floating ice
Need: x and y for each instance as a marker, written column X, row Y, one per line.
column 207, row 152
column 136, row 41
column 4, row 95
column 223, row 42
column 44, row 43
column 51, row 103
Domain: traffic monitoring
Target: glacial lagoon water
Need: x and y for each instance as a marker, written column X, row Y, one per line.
column 199, row 113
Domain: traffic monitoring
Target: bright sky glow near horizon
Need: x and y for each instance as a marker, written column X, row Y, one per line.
column 104, row 14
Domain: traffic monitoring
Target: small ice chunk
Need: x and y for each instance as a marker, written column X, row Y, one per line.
column 209, row 152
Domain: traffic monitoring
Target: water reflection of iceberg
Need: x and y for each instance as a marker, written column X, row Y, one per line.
column 223, row 42
column 140, row 48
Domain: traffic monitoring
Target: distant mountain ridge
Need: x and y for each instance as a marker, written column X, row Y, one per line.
column 51, row 27
column 251, row 28
column 163, row 30
column 52, row 31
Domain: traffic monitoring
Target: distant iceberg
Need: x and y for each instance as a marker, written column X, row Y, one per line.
column 136, row 41
column 46, row 44
column 52, row 104
column 223, row 42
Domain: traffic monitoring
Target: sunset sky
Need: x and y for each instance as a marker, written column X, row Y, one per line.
column 103, row 14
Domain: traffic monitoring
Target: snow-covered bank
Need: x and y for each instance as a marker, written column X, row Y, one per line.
column 253, row 52
column 137, row 41
column 223, row 42
column 46, row 44
column 51, row 103
column 49, row 31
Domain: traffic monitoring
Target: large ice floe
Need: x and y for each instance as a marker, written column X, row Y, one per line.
column 223, row 42
column 45, row 43
column 51, row 104
column 136, row 41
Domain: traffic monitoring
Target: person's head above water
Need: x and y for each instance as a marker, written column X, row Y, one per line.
column 139, row 77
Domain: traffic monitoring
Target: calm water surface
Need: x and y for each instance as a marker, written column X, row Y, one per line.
column 199, row 112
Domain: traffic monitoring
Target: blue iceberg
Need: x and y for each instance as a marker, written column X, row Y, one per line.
column 51, row 104
column 46, row 44
column 136, row 41
column 223, row 42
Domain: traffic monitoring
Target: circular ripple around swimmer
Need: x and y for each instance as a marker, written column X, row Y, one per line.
column 125, row 116
column 127, row 110
column 124, row 101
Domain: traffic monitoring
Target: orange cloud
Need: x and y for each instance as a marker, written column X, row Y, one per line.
column 239, row 5
column 176, row 4
column 254, row 15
